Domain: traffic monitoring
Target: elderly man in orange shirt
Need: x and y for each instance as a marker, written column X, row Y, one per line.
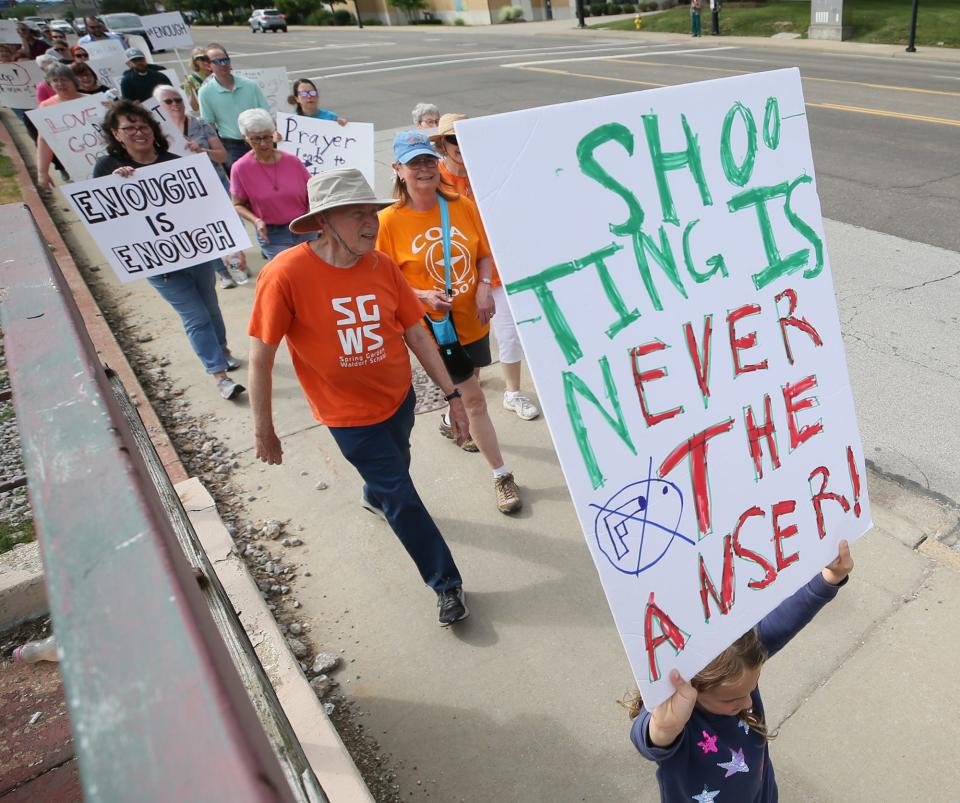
column 348, row 316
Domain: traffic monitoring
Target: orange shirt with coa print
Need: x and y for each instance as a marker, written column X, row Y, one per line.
column 415, row 241
column 461, row 185
column 344, row 329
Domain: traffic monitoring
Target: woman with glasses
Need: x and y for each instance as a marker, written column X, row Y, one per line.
column 453, row 173
column 306, row 100
column 411, row 235
column 200, row 62
column 79, row 53
column 269, row 187
column 64, row 84
column 87, row 78
column 201, row 138
column 134, row 140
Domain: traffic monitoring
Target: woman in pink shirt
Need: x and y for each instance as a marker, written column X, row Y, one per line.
column 269, row 187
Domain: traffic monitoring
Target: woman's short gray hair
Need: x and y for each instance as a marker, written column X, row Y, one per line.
column 61, row 71
column 253, row 120
column 165, row 89
column 421, row 110
column 46, row 60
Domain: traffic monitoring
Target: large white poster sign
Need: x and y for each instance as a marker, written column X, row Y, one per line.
column 18, row 84
column 72, row 130
column 167, row 31
column 274, row 83
column 325, row 144
column 8, row 33
column 665, row 259
column 108, row 50
column 163, row 218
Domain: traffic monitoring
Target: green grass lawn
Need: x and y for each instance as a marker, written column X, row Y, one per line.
column 877, row 21
column 9, row 189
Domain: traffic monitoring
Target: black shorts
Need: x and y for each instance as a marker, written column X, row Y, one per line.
column 479, row 353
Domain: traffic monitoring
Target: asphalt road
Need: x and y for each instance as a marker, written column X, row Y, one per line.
column 884, row 130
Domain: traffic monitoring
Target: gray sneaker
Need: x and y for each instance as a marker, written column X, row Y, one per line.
column 226, row 281
column 228, row 388
column 453, row 606
column 375, row 509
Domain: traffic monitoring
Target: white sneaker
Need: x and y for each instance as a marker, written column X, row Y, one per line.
column 521, row 405
column 239, row 276
column 226, row 282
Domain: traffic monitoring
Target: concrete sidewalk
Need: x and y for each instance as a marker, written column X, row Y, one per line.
column 519, row 703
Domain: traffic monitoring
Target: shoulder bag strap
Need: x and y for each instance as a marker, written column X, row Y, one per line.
column 445, row 227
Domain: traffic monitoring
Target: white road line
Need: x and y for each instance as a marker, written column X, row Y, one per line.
column 630, row 54
column 949, row 77
column 492, row 55
column 321, row 48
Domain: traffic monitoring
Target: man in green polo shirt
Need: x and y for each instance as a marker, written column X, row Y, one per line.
column 223, row 97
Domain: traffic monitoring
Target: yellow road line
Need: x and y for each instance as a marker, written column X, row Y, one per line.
column 921, row 118
column 889, row 87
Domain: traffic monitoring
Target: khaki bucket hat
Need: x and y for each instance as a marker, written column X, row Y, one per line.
column 445, row 126
column 342, row 187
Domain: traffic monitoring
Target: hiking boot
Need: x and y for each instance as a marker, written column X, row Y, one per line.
column 228, row 388
column 521, row 405
column 508, row 495
column 447, row 431
column 452, row 605
column 373, row 508
column 226, row 281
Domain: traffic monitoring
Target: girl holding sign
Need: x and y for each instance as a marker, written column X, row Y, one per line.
column 306, row 100
column 134, row 139
column 709, row 739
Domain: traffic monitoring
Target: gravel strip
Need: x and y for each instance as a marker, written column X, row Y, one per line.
column 16, row 515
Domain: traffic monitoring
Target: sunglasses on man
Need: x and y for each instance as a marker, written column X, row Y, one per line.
column 220, row 62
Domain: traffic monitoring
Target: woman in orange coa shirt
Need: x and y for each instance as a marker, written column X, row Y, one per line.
column 411, row 232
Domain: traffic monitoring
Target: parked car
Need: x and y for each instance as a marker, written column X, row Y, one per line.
column 124, row 24
column 61, row 25
column 79, row 26
column 267, row 19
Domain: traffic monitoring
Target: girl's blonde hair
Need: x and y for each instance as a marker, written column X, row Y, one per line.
column 746, row 653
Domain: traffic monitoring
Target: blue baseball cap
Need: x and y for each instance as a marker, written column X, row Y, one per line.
column 409, row 145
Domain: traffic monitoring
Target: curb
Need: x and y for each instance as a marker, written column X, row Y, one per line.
column 22, row 591
column 329, row 758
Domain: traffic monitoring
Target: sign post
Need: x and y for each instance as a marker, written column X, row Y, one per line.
column 664, row 255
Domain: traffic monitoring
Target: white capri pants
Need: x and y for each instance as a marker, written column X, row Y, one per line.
column 505, row 329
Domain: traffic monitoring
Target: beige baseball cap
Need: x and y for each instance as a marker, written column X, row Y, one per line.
column 344, row 186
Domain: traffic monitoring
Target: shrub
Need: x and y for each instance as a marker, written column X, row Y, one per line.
column 343, row 17
column 596, row 9
column 459, row 22
column 613, row 8
column 430, row 21
column 372, row 21
column 510, row 14
column 321, row 16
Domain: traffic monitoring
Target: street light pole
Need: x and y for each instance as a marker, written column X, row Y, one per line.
column 912, row 44
column 582, row 23
column 356, row 6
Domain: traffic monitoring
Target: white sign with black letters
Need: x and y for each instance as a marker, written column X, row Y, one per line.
column 163, row 218
column 167, row 31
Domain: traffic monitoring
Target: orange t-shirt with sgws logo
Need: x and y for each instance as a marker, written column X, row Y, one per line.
column 344, row 329
column 415, row 242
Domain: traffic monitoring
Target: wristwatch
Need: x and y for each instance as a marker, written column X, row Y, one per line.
column 454, row 395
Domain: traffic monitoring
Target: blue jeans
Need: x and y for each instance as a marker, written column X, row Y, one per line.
column 281, row 238
column 235, row 149
column 381, row 453
column 191, row 292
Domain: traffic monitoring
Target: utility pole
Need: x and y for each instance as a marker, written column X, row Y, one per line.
column 912, row 44
column 582, row 23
